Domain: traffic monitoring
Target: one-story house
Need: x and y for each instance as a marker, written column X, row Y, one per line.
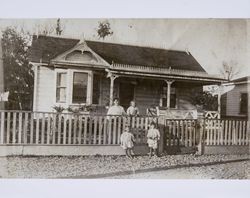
column 235, row 103
column 72, row 73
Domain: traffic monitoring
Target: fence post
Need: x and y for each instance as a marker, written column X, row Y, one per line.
column 162, row 134
column 200, row 132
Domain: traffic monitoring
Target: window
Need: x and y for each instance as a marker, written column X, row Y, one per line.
column 61, row 87
column 80, row 84
column 96, row 89
column 243, row 103
column 172, row 97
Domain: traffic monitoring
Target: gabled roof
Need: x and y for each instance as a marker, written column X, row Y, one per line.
column 45, row 48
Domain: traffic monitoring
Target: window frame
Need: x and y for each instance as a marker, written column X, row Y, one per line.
column 240, row 108
column 89, row 87
column 100, row 88
column 58, row 71
column 171, row 93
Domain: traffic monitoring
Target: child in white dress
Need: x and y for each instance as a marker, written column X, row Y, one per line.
column 127, row 142
column 153, row 137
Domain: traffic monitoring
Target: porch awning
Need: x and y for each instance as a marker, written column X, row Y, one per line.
column 164, row 73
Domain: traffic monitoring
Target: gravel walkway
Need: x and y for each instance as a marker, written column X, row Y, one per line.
column 206, row 166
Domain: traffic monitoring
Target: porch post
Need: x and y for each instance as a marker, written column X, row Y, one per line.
column 112, row 79
column 169, row 82
column 1, row 76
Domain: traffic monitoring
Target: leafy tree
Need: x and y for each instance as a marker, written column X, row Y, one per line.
column 18, row 74
column 206, row 100
column 104, row 29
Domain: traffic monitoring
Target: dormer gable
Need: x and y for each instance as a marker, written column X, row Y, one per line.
column 80, row 54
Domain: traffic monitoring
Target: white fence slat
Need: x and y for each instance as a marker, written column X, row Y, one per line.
column 37, row 127
column 48, row 131
column 85, row 130
column 95, row 130
column 119, row 129
column 14, row 128
column 70, row 129
column 64, row 130
column 230, row 132
column 20, row 123
column 25, row 128
column 31, row 127
column 8, row 128
column 2, row 128
column 80, row 130
column 59, row 128
column 43, row 128
column 100, row 134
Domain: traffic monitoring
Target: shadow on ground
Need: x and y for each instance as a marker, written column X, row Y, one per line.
column 130, row 172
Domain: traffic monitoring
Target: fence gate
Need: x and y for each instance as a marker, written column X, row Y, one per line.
column 180, row 134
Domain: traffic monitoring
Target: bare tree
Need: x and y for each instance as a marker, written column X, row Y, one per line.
column 58, row 27
column 229, row 70
column 50, row 28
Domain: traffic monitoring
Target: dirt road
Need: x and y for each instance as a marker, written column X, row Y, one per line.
column 231, row 170
column 167, row 166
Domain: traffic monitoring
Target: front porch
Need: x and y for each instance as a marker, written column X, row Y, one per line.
column 158, row 91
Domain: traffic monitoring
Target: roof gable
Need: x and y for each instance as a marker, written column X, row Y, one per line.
column 80, row 54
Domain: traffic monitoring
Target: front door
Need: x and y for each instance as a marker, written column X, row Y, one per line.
column 126, row 94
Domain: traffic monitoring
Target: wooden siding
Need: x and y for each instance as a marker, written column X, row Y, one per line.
column 233, row 100
column 147, row 92
column 105, row 85
column 146, row 95
column 45, row 89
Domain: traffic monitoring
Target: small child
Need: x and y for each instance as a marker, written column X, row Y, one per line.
column 127, row 142
column 153, row 137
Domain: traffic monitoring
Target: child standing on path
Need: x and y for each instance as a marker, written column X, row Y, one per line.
column 153, row 137
column 127, row 142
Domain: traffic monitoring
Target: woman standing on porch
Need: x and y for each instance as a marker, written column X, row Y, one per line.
column 116, row 109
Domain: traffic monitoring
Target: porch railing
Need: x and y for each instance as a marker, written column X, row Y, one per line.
column 160, row 70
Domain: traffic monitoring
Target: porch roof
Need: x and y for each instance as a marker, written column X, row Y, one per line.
column 164, row 73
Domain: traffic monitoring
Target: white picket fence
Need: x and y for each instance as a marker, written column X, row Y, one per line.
column 46, row 128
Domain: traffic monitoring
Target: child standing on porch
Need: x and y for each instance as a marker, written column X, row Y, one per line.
column 127, row 142
column 153, row 137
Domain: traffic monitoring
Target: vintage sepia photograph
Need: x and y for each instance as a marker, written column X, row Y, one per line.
column 112, row 98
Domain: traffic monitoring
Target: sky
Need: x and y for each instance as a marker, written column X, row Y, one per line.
column 210, row 41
